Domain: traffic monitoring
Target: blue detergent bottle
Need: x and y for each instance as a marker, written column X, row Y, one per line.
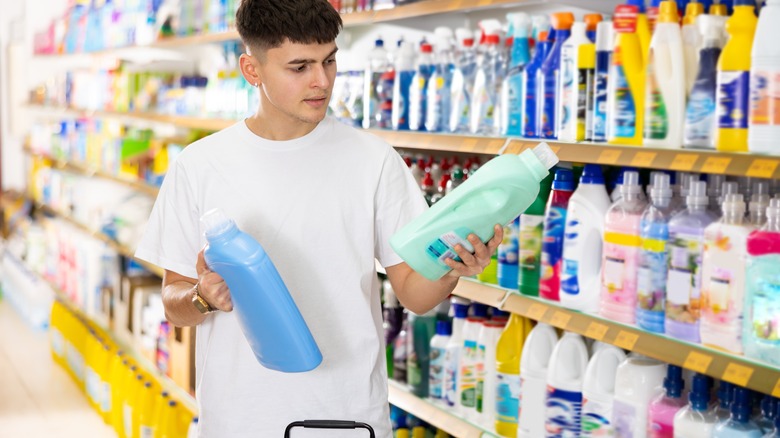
column 549, row 75
column 739, row 424
column 512, row 92
column 267, row 314
column 530, row 106
column 775, row 433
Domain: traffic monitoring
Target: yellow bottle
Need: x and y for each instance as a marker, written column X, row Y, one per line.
column 719, row 9
column 113, row 380
column 146, row 407
column 642, row 27
column 734, row 79
column 508, row 351
column 166, row 422
column 56, row 324
column 119, row 396
column 626, row 87
column 91, row 347
column 130, row 413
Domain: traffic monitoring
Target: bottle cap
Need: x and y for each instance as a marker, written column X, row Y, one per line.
column 564, row 180
column 479, row 310
column 693, row 10
column 496, row 313
column 700, row 392
column 630, row 183
column 769, row 406
column 543, row 35
column 674, row 383
column 725, row 394
column 741, row 406
column 734, row 203
column 638, row 3
column 661, row 188
column 697, row 195
column 545, row 155
column 379, row 42
column 216, row 222
column 719, row 9
column 751, row 3
column 562, row 20
column 578, row 28
column 592, row 174
column 444, row 328
column 715, row 185
column 605, row 36
column 773, row 210
column 667, row 12
column 592, row 21
column 520, row 23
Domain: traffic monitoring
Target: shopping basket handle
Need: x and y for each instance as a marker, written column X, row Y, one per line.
column 329, row 424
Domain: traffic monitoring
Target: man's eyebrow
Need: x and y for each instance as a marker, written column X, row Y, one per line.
column 311, row 61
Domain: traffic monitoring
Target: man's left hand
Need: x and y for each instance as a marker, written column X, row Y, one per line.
column 473, row 264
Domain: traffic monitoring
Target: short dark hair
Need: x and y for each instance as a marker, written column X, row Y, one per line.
column 265, row 24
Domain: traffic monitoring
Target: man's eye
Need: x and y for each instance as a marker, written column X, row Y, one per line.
column 300, row 69
column 330, row 61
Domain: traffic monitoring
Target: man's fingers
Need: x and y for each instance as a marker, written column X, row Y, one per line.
column 200, row 265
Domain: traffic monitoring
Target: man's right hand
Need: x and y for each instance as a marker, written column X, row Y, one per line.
column 212, row 287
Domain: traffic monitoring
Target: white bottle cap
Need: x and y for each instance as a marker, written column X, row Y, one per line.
column 216, row 222
column 630, row 183
column 661, row 187
column 697, row 194
column 545, row 155
column 734, row 204
column 579, row 28
column 773, row 211
column 604, row 36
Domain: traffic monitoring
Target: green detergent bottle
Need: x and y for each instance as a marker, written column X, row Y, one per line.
column 496, row 194
column 530, row 241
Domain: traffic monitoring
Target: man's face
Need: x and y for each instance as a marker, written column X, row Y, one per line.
column 297, row 79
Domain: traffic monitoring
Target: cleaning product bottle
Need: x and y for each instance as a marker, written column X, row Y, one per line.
column 532, row 99
column 591, row 22
column 621, row 253
column 421, row 329
column 578, row 64
column 460, row 309
column 400, row 350
column 775, row 432
column 566, row 371
column 766, row 419
column 505, row 187
column 552, row 237
column 548, row 77
column 534, row 364
column 404, row 72
column 530, row 241
column 663, row 409
column 418, row 97
column 625, row 93
column 484, row 119
column 700, row 114
column 719, row 9
column 508, row 255
column 686, row 245
column 723, row 278
column 437, row 362
column 761, row 327
column 439, row 90
column 392, row 321
column 378, row 63
column 722, row 408
column 267, row 314
column 604, row 45
column 652, row 14
column 508, row 352
column 764, row 120
column 582, row 241
column 638, row 381
column 696, row 420
column 467, row 372
column 734, row 79
column 598, row 391
column 463, row 82
column 691, row 40
column 642, row 27
column 759, row 201
column 654, row 257
column 486, row 374
column 665, row 86
column 739, row 424
column 715, row 184
column 513, row 93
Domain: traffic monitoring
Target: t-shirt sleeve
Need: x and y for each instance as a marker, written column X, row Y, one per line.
column 172, row 236
column 398, row 201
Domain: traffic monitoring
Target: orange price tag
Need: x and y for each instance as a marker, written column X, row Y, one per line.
column 776, row 391
column 555, row 148
column 537, row 311
column 697, row 362
column 515, row 147
column 684, row 162
column 626, row 340
column 596, row 331
column 737, row 374
column 609, row 156
column 643, row 159
column 715, row 165
column 762, row 168
column 560, row 320
column 469, row 144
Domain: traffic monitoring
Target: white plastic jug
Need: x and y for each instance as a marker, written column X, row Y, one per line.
column 638, row 381
column 598, row 391
column 533, row 380
column 565, row 374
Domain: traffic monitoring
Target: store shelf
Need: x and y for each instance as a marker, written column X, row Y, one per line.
column 436, row 7
column 739, row 370
column 435, row 414
column 88, row 170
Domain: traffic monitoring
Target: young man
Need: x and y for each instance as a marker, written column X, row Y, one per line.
column 323, row 200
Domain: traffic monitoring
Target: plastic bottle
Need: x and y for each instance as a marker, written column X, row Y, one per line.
column 621, row 253
column 775, row 432
column 452, row 354
column 714, row 191
column 267, row 314
column 401, row 350
column 592, row 21
column 508, row 255
column 764, row 120
column 739, row 424
column 604, row 45
column 377, row 64
column 696, row 420
column 498, row 193
column 404, row 72
column 766, row 419
column 582, row 241
column 534, row 363
column 532, row 99
column 626, row 87
column 761, row 330
column 467, row 372
column 665, row 81
column 437, row 367
column 508, row 352
column 598, row 391
column 654, row 257
column 463, row 81
column 578, row 64
column 513, row 93
column 759, row 201
column 642, row 27
column 484, row 116
column 722, row 408
column 392, row 321
column 692, row 40
column 552, row 236
column 488, row 337
column 686, row 245
column 530, row 241
column 723, row 277
column 734, row 79
column 439, row 90
column 700, row 114
column 719, row 9
column 421, row 329
column 548, row 77
column 418, row 96
column 663, row 409
column 638, row 381
column 566, row 371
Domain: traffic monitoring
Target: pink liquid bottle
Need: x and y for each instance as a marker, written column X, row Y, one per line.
column 552, row 236
column 660, row 416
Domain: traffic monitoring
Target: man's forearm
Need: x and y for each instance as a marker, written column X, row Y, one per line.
column 179, row 310
column 421, row 295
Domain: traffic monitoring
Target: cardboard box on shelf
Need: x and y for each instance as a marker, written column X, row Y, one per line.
column 181, row 349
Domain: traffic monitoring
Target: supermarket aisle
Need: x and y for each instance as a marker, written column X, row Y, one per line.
column 37, row 397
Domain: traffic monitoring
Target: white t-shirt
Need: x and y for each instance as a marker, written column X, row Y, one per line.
column 323, row 207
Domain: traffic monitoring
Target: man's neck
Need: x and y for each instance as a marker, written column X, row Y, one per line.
column 271, row 128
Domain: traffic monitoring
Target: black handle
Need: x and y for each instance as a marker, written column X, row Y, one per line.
column 328, row 424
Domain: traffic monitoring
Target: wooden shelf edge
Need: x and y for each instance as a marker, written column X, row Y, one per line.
column 436, row 415
column 761, row 377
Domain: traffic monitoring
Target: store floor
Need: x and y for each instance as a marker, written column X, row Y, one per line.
column 37, row 397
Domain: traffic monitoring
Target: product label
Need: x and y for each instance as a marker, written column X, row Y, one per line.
column 657, row 429
column 436, row 373
column 530, row 242
column 468, row 372
column 105, row 404
column 480, row 367
column 719, row 290
column 57, row 342
column 147, row 432
column 509, row 247
column 765, row 97
column 573, row 93
column 569, row 273
column 624, row 417
column 529, row 104
column 733, row 97
column 619, row 269
column 684, row 278
column 625, row 107
column 451, row 364
column 624, row 20
column 603, row 60
column 484, row 114
column 552, row 248
column 507, row 398
column 402, row 84
column 765, row 309
column 657, row 123
column 596, row 419
column 443, row 247
column 563, row 413
column 550, row 105
column 651, row 285
column 700, row 116
column 461, row 101
column 128, row 419
column 514, row 102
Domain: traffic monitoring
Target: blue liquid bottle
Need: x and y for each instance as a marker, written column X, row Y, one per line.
column 739, row 425
column 549, row 75
column 267, row 314
column 530, row 107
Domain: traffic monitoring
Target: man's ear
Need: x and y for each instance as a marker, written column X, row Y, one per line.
column 249, row 70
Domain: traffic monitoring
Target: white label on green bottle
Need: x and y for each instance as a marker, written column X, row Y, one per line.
column 443, row 248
